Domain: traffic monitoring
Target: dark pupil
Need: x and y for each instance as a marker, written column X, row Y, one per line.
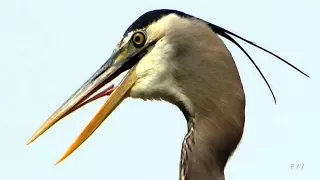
column 137, row 39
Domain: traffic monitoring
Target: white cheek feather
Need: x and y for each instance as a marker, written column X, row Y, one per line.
column 155, row 77
column 154, row 73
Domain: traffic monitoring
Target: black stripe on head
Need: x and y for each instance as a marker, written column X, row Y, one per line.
column 149, row 17
column 152, row 16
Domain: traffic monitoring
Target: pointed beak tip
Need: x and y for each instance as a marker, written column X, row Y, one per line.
column 62, row 158
column 30, row 141
column 33, row 137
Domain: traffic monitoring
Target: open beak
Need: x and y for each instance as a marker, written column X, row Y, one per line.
column 119, row 62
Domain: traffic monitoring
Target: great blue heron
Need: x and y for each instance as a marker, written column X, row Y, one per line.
column 173, row 56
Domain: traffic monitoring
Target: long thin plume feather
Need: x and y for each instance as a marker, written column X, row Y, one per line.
column 226, row 34
column 256, row 66
column 220, row 29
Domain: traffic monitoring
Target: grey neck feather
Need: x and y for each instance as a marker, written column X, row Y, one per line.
column 212, row 83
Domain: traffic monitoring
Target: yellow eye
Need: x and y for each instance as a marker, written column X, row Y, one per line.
column 139, row 39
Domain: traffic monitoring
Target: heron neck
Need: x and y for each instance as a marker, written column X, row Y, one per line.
column 212, row 137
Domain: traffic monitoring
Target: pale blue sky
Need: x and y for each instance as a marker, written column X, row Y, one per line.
column 49, row 48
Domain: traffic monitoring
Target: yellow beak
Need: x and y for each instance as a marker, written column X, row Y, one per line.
column 110, row 70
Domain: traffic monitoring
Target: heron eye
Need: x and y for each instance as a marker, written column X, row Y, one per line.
column 139, row 39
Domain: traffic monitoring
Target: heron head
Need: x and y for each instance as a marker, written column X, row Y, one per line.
column 166, row 54
column 146, row 53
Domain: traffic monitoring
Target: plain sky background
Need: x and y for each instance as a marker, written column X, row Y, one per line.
column 49, row 48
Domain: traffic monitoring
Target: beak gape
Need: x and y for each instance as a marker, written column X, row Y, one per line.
column 86, row 94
